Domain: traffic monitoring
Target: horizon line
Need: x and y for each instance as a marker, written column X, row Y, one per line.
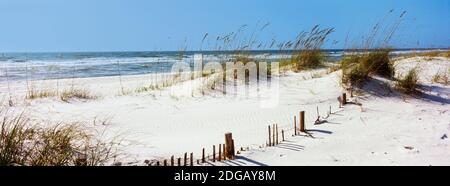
column 257, row 50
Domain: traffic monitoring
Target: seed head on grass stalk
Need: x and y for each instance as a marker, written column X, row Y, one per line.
column 307, row 53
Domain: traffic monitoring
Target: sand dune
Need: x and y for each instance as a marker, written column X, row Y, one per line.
column 388, row 129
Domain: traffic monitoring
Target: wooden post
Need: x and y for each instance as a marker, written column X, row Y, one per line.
column 223, row 152
column 172, row 161
column 277, row 134
column 198, row 162
column 192, row 159
column 185, row 159
column 229, row 146
column 302, row 121
column 157, row 164
column 203, row 155
column 179, row 161
column 214, row 153
column 165, row 163
column 344, row 98
column 232, row 149
column 318, row 114
column 295, row 125
column 282, row 134
column 270, row 137
column 220, row 153
column 273, row 135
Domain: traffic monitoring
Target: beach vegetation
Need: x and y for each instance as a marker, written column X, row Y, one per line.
column 23, row 143
column 409, row 83
column 307, row 48
column 441, row 78
column 356, row 68
column 76, row 93
column 38, row 94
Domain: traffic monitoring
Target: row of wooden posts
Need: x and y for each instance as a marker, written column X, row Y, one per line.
column 273, row 131
column 225, row 151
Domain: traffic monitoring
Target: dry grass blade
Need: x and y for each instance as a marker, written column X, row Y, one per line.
column 25, row 144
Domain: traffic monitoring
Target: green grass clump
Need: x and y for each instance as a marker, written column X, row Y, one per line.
column 13, row 138
column 72, row 93
column 378, row 62
column 38, row 94
column 308, row 59
column 357, row 68
column 26, row 144
column 307, row 53
column 409, row 83
column 145, row 89
column 441, row 78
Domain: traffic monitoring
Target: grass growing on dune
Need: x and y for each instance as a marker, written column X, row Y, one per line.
column 409, row 83
column 358, row 67
column 77, row 93
column 442, row 78
column 38, row 94
column 373, row 58
column 307, row 52
column 25, row 144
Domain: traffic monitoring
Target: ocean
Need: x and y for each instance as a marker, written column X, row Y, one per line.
column 54, row 65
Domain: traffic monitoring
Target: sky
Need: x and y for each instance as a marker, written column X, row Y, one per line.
column 153, row 25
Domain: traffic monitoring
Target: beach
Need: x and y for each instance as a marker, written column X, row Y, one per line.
column 385, row 127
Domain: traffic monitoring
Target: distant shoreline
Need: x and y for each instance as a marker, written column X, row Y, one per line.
column 211, row 51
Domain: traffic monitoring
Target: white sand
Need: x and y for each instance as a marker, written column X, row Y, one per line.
column 157, row 125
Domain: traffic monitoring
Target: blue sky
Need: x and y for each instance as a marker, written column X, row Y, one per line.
column 144, row 25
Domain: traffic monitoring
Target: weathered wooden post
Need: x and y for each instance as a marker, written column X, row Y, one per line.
column 344, row 98
column 203, row 155
column 270, row 137
column 232, row 149
column 214, row 153
column 229, row 146
column 318, row 114
column 295, row 125
column 302, row 121
column 273, row 135
column 282, row 134
column 165, row 163
column 220, row 153
column 192, row 159
column 277, row 134
column 157, row 164
column 179, row 162
column 172, row 161
column 185, row 159
column 223, row 152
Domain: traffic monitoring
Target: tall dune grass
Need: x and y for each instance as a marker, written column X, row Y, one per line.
column 24, row 143
column 307, row 48
column 409, row 83
column 358, row 67
column 373, row 58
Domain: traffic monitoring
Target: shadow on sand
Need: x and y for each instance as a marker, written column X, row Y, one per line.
column 382, row 88
column 243, row 161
